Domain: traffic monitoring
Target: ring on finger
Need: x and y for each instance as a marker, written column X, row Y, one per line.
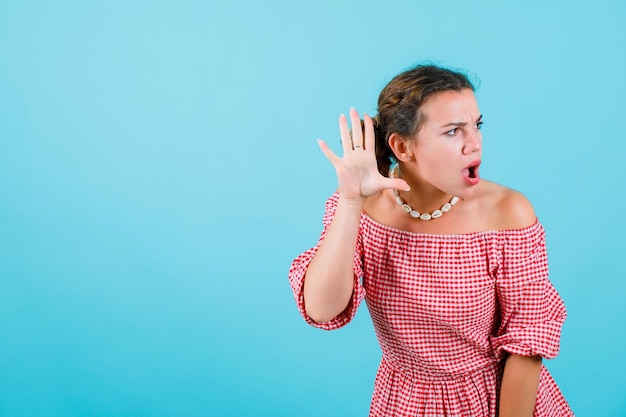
column 357, row 146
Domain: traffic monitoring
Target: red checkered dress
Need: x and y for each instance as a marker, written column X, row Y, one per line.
column 446, row 308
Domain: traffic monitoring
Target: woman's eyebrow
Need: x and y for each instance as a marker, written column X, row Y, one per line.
column 457, row 124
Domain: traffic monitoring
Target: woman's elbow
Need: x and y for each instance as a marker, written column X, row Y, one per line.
column 319, row 315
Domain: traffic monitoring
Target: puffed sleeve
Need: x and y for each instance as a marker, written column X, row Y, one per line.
column 531, row 311
column 301, row 263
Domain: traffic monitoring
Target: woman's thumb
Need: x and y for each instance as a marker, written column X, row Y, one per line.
column 398, row 184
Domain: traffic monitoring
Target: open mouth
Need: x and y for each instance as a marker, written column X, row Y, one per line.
column 471, row 172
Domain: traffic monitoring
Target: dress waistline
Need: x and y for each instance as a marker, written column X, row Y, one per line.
column 423, row 375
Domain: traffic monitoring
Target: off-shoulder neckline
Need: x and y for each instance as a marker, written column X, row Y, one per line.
column 531, row 229
column 523, row 231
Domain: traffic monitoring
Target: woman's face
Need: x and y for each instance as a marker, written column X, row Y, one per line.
column 447, row 148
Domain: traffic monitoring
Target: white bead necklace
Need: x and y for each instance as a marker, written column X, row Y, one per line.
column 414, row 213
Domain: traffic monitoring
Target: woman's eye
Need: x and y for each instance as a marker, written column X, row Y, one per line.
column 479, row 125
column 453, row 132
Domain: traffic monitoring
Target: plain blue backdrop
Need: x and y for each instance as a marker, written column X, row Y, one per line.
column 159, row 172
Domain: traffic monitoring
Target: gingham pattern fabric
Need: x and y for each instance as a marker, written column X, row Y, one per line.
column 446, row 309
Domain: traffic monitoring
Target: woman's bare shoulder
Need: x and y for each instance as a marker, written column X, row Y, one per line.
column 508, row 208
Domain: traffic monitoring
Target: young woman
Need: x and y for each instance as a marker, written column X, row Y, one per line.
column 453, row 268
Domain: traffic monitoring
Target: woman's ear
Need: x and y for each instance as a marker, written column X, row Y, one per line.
column 400, row 147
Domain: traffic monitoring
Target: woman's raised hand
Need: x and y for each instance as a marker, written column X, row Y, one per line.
column 357, row 170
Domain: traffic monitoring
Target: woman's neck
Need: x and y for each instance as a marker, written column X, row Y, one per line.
column 423, row 196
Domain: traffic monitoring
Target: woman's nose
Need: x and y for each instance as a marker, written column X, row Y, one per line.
column 473, row 143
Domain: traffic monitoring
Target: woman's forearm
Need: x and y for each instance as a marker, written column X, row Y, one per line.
column 329, row 280
column 520, row 381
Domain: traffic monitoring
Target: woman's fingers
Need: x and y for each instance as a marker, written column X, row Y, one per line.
column 369, row 133
column 352, row 136
column 357, row 132
column 344, row 131
column 357, row 169
column 395, row 184
column 328, row 153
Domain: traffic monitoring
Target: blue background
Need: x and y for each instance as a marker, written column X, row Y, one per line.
column 159, row 172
